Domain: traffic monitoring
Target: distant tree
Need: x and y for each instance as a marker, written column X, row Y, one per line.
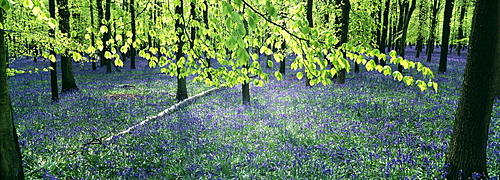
column 10, row 153
column 92, row 35
column 443, row 59
column 467, row 150
column 460, row 35
column 134, row 34
column 346, row 8
column 68, row 79
column 432, row 39
column 406, row 10
column 385, row 28
column 421, row 23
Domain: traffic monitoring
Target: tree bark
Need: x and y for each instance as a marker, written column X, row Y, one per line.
column 100, row 17
column 467, row 150
column 68, row 79
column 205, row 20
column 432, row 39
column 10, row 154
column 385, row 27
column 53, row 64
column 461, row 28
column 92, row 36
column 107, row 36
column 309, row 16
column 346, row 7
column 443, row 59
column 134, row 36
column 179, row 26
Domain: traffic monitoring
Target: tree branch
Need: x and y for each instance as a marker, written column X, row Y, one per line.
column 270, row 21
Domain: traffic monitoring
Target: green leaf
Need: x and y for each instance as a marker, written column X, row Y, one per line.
column 404, row 63
column 422, row 85
column 270, row 63
column 408, row 80
column 152, row 64
column 28, row 3
column 118, row 62
column 108, row 55
column 52, row 23
column 6, row 5
column 300, row 75
column 371, row 65
column 393, row 54
column 104, row 29
column 278, row 75
column 387, row 70
column 397, row 75
column 435, row 85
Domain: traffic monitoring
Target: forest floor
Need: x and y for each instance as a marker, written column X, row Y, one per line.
column 372, row 127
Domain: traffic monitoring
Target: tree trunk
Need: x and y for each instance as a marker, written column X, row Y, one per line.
column 53, row 64
column 100, row 16
column 443, row 59
column 407, row 11
column 107, row 36
column 467, row 150
column 385, row 28
column 461, row 28
column 283, row 61
column 134, row 36
column 205, row 20
column 10, row 154
column 181, row 78
column 430, row 43
column 68, row 79
column 309, row 16
column 92, row 36
column 346, row 7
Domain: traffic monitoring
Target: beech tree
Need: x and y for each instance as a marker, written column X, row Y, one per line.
column 467, row 149
column 10, row 154
column 68, row 79
column 443, row 59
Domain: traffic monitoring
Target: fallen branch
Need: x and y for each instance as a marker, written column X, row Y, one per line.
column 164, row 112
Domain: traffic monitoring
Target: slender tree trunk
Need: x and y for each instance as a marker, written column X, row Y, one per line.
column 92, row 38
column 467, row 150
column 283, row 61
column 10, row 154
column 100, row 17
column 407, row 12
column 107, row 36
column 134, row 36
column 346, row 7
column 68, row 79
column 443, row 59
column 461, row 28
column 430, row 44
column 385, row 27
column 181, row 78
column 309, row 16
column 53, row 64
column 205, row 20
column 420, row 38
